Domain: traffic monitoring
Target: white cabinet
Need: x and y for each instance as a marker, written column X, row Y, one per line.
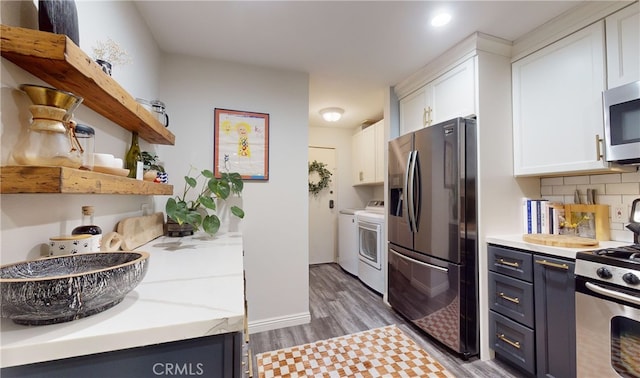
column 448, row 96
column 368, row 155
column 557, row 106
column 453, row 94
column 623, row 46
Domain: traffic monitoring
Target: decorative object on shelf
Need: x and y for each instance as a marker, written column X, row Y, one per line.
column 109, row 53
column 86, row 139
column 60, row 17
column 195, row 212
column 241, row 144
column 157, row 108
column 88, row 227
column 132, row 157
column 153, row 169
column 50, row 140
column 317, row 168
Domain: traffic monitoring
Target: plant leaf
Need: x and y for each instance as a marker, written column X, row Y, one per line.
column 207, row 173
column 208, row 202
column 190, row 181
column 211, row 224
column 238, row 212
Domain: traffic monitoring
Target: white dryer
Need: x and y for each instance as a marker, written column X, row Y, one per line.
column 371, row 256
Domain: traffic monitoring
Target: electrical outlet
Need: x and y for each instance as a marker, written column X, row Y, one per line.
column 620, row 213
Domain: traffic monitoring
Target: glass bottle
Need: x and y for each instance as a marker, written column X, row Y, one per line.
column 88, row 227
column 133, row 156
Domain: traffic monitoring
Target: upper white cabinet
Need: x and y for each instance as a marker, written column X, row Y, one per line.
column 557, row 106
column 368, row 155
column 448, row 96
column 623, row 46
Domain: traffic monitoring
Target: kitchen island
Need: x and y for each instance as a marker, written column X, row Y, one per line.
column 190, row 304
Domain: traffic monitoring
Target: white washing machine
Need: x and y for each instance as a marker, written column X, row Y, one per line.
column 371, row 256
column 348, row 240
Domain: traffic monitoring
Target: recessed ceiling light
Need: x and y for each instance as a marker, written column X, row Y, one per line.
column 440, row 19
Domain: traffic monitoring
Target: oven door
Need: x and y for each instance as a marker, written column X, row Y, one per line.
column 607, row 330
column 369, row 239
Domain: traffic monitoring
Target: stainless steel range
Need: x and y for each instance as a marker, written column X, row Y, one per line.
column 608, row 312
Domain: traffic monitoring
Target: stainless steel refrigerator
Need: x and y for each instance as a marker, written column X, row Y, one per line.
column 433, row 249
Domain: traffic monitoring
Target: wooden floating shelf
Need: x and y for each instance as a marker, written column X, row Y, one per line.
column 55, row 59
column 32, row 179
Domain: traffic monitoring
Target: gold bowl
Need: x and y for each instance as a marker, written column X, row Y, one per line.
column 41, row 95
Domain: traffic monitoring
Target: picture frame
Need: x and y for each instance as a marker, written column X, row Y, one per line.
column 241, row 143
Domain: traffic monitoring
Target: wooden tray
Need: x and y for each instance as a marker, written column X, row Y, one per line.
column 560, row 240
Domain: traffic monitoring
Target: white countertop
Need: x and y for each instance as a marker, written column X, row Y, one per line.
column 515, row 241
column 194, row 287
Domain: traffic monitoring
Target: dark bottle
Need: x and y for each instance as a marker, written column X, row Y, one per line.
column 88, row 227
column 133, row 156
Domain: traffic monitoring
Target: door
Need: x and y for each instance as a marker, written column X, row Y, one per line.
column 369, row 243
column 323, row 214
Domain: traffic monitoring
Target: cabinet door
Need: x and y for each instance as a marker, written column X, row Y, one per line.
column 413, row 111
column 557, row 105
column 623, row 46
column 555, row 315
column 453, row 94
column 364, row 156
column 379, row 151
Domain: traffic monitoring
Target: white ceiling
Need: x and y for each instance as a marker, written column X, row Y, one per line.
column 352, row 50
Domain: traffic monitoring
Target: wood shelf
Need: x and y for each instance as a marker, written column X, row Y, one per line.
column 32, row 179
column 55, row 59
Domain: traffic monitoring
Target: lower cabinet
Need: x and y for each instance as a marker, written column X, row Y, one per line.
column 217, row 356
column 532, row 317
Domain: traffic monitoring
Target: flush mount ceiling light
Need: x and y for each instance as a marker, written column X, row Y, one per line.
column 331, row 114
column 440, row 19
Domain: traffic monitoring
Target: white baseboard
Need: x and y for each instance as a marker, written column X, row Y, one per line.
column 279, row 322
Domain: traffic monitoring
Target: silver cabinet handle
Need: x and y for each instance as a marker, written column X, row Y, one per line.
column 598, row 150
column 427, row 265
column 553, row 265
column 612, row 293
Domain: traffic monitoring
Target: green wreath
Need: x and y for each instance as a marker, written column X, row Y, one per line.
column 325, row 177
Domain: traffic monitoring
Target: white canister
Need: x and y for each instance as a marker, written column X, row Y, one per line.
column 70, row 244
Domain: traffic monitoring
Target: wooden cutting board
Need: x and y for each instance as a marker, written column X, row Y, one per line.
column 137, row 231
column 560, row 240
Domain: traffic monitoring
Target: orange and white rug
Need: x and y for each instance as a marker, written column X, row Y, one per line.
column 381, row 352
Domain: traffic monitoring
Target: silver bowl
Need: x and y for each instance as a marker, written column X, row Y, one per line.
column 64, row 288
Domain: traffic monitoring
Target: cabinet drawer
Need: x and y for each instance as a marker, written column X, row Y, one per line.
column 512, row 341
column 512, row 298
column 513, row 263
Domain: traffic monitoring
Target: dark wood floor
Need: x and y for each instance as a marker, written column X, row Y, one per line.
column 340, row 304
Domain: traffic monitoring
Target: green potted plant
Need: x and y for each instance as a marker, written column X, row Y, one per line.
column 200, row 211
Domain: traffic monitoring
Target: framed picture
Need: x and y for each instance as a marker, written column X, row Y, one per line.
column 241, row 143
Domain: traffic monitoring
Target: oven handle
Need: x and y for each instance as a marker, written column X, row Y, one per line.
column 612, row 293
column 418, row 261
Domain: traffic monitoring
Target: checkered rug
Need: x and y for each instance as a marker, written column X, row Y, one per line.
column 381, row 352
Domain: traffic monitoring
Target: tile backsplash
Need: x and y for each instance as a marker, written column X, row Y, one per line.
column 618, row 190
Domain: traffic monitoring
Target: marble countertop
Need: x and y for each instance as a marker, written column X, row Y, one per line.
column 515, row 241
column 194, row 287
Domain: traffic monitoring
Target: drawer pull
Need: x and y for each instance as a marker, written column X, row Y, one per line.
column 509, row 263
column 515, row 300
column 515, row 344
column 553, row 265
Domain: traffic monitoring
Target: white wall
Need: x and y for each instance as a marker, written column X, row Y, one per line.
column 275, row 227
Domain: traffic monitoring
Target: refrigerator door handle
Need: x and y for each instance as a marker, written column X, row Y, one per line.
column 409, row 185
column 414, row 261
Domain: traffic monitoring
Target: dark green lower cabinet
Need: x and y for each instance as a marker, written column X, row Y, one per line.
column 217, row 356
column 555, row 314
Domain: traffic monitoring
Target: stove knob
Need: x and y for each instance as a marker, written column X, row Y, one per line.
column 631, row 279
column 604, row 273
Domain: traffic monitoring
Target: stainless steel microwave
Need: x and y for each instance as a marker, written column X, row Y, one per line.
column 622, row 123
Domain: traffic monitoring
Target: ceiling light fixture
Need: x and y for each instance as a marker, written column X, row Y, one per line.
column 331, row 114
column 440, row 19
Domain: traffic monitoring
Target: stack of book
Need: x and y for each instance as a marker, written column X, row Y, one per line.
column 541, row 216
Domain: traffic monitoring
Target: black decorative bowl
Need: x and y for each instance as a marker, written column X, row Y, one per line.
column 64, row 288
